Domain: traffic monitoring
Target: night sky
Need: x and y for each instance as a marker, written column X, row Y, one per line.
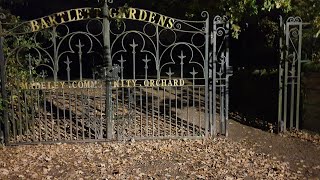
column 38, row 8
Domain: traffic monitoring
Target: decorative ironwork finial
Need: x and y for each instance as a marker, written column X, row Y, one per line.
column 68, row 62
column 80, row 46
column 43, row 74
column 182, row 57
column 133, row 45
column 170, row 73
column 193, row 73
column 121, row 65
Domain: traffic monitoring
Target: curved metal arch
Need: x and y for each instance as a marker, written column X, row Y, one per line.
column 125, row 34
column 173, row 46
column 70, row 38
column 38, row 50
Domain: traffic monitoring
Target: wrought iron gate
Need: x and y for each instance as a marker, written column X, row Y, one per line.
column 102, row 74
column 290, row 74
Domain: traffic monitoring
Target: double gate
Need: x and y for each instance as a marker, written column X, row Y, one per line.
column 94, row 74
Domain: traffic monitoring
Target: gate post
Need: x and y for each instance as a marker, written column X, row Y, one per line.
column 5, row 120
column 108, row 63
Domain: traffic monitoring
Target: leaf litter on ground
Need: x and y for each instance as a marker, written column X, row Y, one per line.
column 217, row 158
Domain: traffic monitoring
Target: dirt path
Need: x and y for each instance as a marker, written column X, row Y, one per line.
column 247, row 154
column 303, row 156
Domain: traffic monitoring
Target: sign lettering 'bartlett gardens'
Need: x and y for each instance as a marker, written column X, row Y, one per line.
column 90, row 84
column 88, row 13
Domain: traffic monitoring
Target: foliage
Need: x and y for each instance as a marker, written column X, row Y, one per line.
column 309, row 11
column 239, row 11
column 16, row 71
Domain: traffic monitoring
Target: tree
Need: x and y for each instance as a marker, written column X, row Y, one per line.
column 309, row 11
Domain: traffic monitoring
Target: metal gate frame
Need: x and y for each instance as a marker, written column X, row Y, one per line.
column 216, row 75
column 290, row 74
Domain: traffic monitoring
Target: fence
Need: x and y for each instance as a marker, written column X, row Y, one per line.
column 96, row 74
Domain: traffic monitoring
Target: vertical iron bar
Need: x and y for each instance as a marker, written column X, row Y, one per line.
column 76, row 114
column 170, row 111
column 51, row 114
column 70, row 116
column 188, row 109
column 26, row 114
column 152, row 104
column 214, row 79
column 39, row 115
column 55, row 54
column 14, row 131
column 135, row 110
column 299, row 78
column 222, row 129
column 101, row 111
column 181, row 123
column 164, row 110
column 214, row 98
column 228, row 69
column 108, row 60
column 292, row 93
column 82, row 115
column 134, row 45
column 157, row 53
column 123, row 111
column 19, row 123
column 45, row 114
column 141, row 106
column 87, row 110
column 147, row 113
column 159, row 114
column 211, row 112
column 58, row 114
column 118, row 114
column 33, row 114
column 200, row 125
column 96, row 130
column 52, row 118
column 176, row 97
column 206, row 74
column 280, row 95
column 285, row 111
column 80, row 58
column 193, row 105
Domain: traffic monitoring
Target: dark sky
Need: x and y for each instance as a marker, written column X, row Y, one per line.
column 38, row 8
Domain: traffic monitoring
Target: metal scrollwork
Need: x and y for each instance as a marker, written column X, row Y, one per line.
column 55, row 45
column 294, row 32
column 294, row 19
